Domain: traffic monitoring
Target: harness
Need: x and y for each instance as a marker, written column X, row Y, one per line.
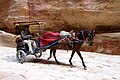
column 79, row 42
column 87, row 36
column 83, row 35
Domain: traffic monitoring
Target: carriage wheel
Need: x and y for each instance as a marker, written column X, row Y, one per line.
column 38, row 54
column 21, row 56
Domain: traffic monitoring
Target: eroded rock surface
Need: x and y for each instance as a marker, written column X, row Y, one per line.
column 108, row 43
column 65, row 14
column 101, row 15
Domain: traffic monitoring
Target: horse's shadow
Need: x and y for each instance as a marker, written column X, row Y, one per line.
column 43, row 61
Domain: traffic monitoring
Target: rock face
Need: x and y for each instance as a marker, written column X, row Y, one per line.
column 101, row 15
column 65, row 14
column 11, row 11
column 108, row 43
column 7, row 39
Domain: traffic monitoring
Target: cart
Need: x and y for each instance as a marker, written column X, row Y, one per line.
column 22, row 48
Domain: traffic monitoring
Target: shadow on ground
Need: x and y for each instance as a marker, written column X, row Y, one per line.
column 43, row 61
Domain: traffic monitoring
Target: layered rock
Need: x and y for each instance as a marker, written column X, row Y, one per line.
column 108, row 43
column 101, row 15
column 65, row 14
column 7, row 39
column 14, row 10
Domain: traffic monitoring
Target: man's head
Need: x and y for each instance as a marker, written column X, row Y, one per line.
column 25, row 29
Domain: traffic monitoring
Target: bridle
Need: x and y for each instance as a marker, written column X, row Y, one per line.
column 83, row 35
column 89, row 38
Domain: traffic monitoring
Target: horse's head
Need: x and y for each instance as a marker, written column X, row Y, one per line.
column 90, row 38
column 86, row 35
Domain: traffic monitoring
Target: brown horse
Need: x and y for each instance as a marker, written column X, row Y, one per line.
column 75, row 45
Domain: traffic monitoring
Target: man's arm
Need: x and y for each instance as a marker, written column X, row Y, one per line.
column 25, row 36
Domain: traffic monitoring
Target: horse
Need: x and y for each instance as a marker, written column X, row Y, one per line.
column 80, row 38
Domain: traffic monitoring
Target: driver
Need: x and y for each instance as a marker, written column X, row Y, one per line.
column 25, row 34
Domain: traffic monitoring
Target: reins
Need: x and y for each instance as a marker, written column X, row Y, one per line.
column 87, row 36
column 83, row 35
column 70, row 44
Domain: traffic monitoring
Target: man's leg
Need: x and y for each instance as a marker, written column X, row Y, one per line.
column 34, row 44
column 29, row 45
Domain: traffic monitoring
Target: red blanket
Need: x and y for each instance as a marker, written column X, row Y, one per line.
column 48, row 38
column 52, row 35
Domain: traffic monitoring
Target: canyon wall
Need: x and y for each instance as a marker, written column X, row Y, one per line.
column 100, row 15
column 106, row 43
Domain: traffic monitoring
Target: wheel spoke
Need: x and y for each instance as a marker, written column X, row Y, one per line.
column 21, row 56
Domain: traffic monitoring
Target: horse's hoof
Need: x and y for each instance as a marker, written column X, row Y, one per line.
column 58, row 62
column 85, row 68
column 48, row 58
column 71, row 66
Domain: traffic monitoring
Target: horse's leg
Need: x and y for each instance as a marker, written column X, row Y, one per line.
column 51, row 50
column 78, row 52
column 54, row 54
column 73, row 52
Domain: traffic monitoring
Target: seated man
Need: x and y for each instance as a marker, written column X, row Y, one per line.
column 25, row 34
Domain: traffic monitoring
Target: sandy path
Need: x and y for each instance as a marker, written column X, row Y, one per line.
column 99, row 66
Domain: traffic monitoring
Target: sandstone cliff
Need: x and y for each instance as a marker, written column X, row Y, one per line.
column 107, row 43
column 102, row 15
